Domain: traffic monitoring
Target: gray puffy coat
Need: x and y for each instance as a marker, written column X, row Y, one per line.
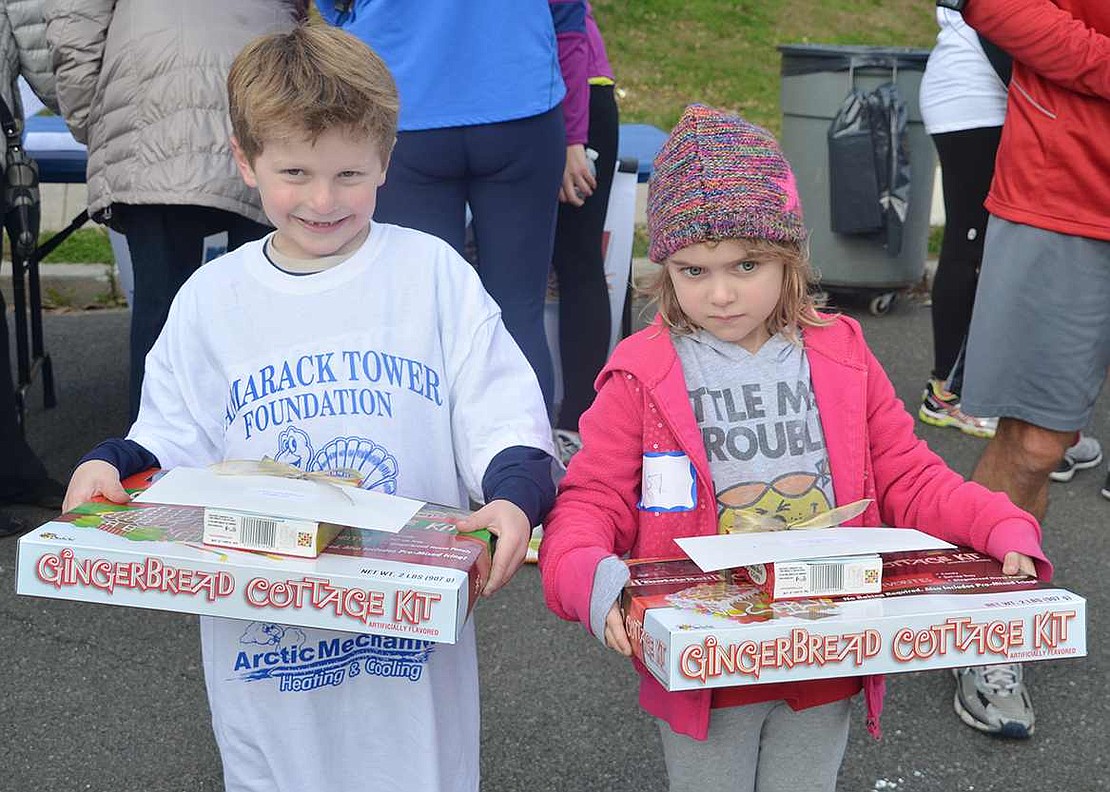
column 23, row 52
column 143, row 83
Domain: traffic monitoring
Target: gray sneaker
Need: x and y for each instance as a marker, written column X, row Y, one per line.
column 994, row 699
column 1085, row 454
column 568, row 444
column 1106, row 486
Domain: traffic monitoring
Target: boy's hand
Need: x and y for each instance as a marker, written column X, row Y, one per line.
column 1018, row 564
column 93, row 478
column 509, row 524
column 616, row 637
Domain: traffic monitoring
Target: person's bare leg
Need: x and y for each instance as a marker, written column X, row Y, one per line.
column 1017, row 461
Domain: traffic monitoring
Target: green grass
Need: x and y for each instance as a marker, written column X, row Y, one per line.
column 84, row 246
column 936, row 235
column 666, row 53
column 640, row 241
column 88, row 245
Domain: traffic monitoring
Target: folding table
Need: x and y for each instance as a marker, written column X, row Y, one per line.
column 60, row 159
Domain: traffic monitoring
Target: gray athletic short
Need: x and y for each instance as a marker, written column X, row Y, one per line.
column 1039, row 344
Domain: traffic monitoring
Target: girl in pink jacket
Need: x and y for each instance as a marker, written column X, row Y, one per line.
column 772, row 409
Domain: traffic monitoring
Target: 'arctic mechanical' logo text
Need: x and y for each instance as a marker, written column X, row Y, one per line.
column 276, row 651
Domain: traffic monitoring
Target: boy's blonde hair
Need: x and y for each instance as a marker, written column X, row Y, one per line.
column 307, row 81
column 796, row 308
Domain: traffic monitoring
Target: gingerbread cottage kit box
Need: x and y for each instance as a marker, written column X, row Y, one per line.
column 420, row 581
column 937, row 609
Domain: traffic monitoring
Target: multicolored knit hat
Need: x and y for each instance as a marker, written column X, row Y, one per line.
column 720, row 177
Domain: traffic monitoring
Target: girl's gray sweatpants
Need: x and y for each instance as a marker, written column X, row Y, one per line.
column 765, row 747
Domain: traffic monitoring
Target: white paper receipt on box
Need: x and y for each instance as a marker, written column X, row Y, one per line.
column 668, row 482
column 273, row 496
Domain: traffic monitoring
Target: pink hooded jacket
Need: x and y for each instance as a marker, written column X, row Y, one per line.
column 642, row 405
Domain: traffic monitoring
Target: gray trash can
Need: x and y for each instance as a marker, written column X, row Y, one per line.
column 815, row 80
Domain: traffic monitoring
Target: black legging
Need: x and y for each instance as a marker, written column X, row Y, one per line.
column 584, row 317
column 967, row 166
column 509, row 173
column 19, row 467
column 166, row 243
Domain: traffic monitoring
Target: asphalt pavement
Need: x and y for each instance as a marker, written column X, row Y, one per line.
column 112, row 699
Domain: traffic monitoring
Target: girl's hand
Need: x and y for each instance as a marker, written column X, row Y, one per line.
column 93, row 478
column 616, row 637
column 1018, row 564
column 509, row 524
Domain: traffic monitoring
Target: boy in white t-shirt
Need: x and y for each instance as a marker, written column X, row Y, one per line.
column 338, row 343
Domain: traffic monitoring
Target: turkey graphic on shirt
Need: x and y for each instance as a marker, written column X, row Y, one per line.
column 788, row 499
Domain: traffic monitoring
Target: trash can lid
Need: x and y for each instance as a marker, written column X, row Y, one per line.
column 798, row 59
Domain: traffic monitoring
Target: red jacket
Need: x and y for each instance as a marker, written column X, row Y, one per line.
column 642, row 405
column 1053, row 164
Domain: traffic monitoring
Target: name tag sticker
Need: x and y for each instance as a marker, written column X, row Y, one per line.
column 668, row 482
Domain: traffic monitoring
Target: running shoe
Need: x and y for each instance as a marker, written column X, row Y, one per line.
column 1086, row 453
column 567, row 443
column 941, row 408
column 10, row 526
column 993, row 699
column 532, row 554
column 1106, row 487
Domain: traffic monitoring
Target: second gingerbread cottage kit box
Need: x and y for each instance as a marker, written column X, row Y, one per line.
column 941, row 609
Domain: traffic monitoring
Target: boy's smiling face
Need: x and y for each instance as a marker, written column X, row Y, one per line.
column 319, row 196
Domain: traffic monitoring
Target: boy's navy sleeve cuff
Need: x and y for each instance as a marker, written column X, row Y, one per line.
column 126, row 456
column 522, row 476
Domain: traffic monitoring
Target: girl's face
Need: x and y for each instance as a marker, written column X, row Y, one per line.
column 723, row 288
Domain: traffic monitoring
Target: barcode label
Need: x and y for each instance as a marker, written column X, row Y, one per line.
column 826, row 577
column 259, row 532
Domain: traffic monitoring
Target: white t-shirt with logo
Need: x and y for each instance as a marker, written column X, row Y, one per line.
column 396, row 363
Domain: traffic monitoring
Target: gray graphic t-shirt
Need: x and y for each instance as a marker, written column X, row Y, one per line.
column 760, row 426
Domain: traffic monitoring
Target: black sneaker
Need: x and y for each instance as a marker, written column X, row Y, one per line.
column 10, row 526
column 45, row 493
column 568, row 444
column 1085, row 454
column 1106, row 487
